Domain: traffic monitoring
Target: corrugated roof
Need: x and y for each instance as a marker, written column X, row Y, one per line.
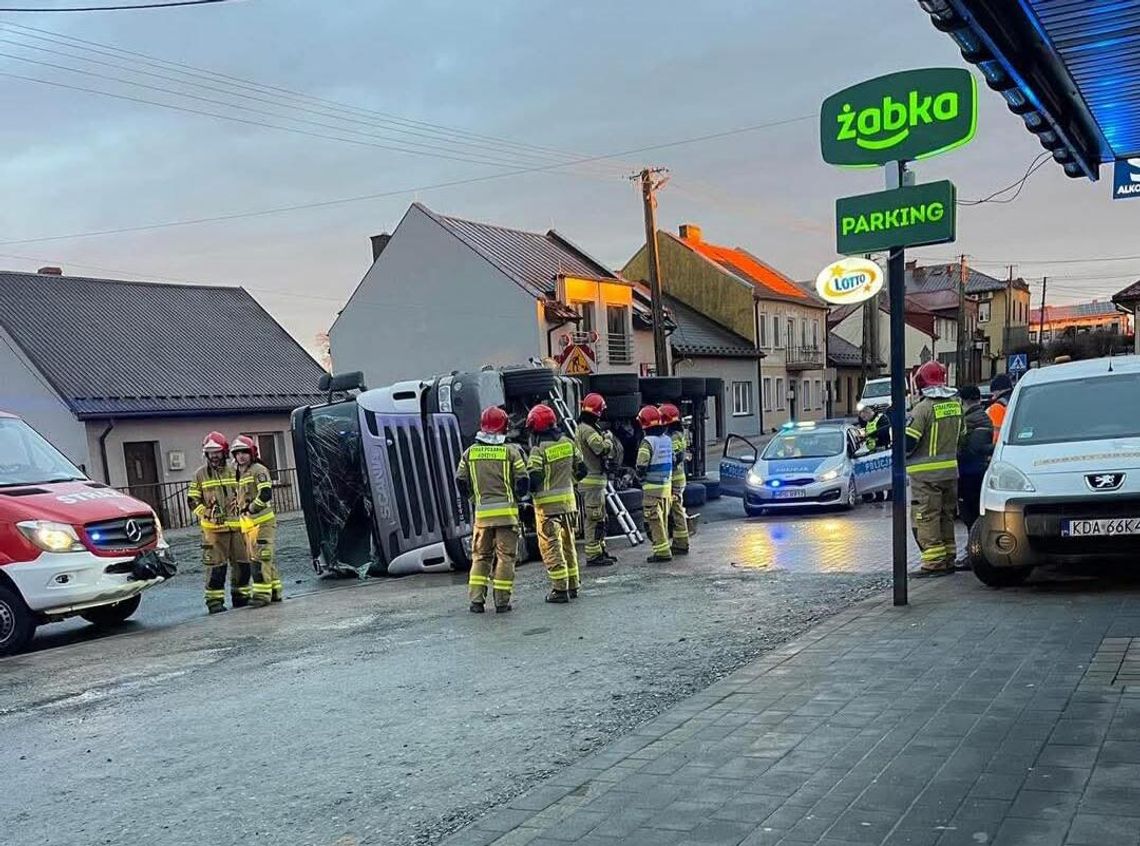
column 533, row 260
column 114, row 348
column 768, row 281
column 947, row 277
column 697, row 335
column 1100, row 308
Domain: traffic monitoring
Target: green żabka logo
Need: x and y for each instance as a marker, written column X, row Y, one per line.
column 902, row 116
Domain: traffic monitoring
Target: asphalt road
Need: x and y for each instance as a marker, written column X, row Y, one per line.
column 381, row 711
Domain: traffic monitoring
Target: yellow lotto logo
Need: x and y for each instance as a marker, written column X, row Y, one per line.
column 849, row 281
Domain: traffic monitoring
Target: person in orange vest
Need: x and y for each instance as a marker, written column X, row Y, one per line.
column 1000, row 388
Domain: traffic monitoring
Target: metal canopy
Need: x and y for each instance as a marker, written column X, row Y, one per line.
column 1069, row 68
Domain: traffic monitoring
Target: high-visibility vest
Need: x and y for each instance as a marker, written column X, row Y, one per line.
column 555, row 460
column 214, row 492
column 250, row 483
column 655, row 458
column 492, row 470
column 936, row 424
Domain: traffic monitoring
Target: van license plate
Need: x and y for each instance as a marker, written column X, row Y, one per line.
column 790, row 494
column 1100, row 528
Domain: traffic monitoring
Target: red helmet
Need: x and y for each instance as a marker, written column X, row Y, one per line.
column 649, row 417
column 494, row 420
column 541, row 419
column 215, row 442
column 930, row 375
column 595, row 404
column 244, row 442
column 669, row 413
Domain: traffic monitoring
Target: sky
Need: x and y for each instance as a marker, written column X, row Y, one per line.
column 548, row 81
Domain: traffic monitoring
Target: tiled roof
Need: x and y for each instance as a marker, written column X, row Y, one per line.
column 768, row 281
column 135, row 349
column 697, row 335
column 943, row 277
column 533, row 260
column 1130, row 294
column 1100, row 308
column 843, row 353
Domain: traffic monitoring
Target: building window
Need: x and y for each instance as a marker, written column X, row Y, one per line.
column 268, row 450
column 819, row 393
column 619, row 344
column 791, row 338
column 838, row 390
column 764, row 331
column 805, row 394
column 984, row 312
column 767, row 393
column 586, row 324
column 803, row 333
column 776, row 331
column 780, row 395
column 815, row 334
column 741, row 399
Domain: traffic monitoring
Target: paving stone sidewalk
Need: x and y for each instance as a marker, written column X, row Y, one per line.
column 972, row 716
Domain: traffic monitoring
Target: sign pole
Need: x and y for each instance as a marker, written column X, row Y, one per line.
column 896, row 287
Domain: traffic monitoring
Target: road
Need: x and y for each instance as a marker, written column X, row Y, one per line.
column 383, row 712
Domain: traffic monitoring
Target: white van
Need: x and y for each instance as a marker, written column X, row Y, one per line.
column 876, row 394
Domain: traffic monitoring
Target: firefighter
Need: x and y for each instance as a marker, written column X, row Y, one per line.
column 597, row 449
column 493, row 474
column 258, row 523
column 678, row 517
column 554, row 464
column 212, row 496
column 655, row 469
column 932, row 432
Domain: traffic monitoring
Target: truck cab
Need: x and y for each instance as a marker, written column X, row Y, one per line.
column 68, row 546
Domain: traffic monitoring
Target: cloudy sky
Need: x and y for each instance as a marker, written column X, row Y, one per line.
column 546, row 80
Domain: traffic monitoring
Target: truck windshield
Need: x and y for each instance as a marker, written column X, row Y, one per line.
column 27, row 459
column 877, row 388
column 1077, row 410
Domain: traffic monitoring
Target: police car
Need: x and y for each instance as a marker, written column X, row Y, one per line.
column 804, row 465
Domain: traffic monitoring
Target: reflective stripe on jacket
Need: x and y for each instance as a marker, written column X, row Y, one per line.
column 213, row 497
column 655, row 460
column 252, row 484
column 492, row 470
column 680, row 442
column 555, row 460
column 935, row 425
column 595, row 448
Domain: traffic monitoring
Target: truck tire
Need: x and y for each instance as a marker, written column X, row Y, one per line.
column 108, row 616
column 458, row 553
column 527, row 382
column 712, row 488
column 614, row 383
column 17, row 623
column 693, row 387
column 695, row 495
column 657, row 389
column 623, row 406
column 989, row 575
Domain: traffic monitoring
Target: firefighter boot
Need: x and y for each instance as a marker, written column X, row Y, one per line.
column 476, row 608
column 558, row 597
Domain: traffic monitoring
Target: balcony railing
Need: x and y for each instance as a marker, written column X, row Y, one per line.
column 619, row 349
column 804, row 358
column 168, row 499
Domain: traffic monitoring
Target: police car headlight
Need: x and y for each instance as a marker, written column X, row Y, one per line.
column 1007, row 478
column 755, row 479
column 829, row 475
column 51, row 537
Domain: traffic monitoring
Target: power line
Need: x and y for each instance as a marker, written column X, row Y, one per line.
column 411, row 190
column 1034, row 166
column 166, row 4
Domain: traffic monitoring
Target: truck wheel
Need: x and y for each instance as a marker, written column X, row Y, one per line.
column 694, row 387
column 458, row 553
column 527, row 382
column 614, row 383
column 712, row 489
column 661, row 389
column 106, row 616
column 694, row 495
column 17, row 623
column 623, row 406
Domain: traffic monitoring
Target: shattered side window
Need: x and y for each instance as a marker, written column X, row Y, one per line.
column 340, row 495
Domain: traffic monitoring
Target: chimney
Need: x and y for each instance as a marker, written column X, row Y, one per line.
column 50, row 271
column 691, row 232
column 379, row 242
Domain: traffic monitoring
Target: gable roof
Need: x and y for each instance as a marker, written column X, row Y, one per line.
column 139, row 349
column 533, row 260
column 843, row 353
column 1098, row 308
column 768, row 282
column 697, row 335
column 1129, row 295
column 947, row 277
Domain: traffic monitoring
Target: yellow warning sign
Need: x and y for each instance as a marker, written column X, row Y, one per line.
column 577, row 362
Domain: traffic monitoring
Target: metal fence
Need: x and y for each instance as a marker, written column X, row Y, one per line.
column 168, row 499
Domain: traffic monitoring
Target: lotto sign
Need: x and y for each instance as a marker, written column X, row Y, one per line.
column 899, row 117
column 849, row 281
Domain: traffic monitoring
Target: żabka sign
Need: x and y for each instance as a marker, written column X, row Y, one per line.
column 849, row 281
column 902, row 116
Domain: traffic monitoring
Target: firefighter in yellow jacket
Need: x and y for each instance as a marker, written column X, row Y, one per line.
column 597, row 450
column 554, row 464
column 932, row 432
column 678, row 517
column 258, row 522
column 212, row 497
column 493, row 474
column 655, row 469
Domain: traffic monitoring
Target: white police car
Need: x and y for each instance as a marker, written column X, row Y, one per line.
column 804, row 465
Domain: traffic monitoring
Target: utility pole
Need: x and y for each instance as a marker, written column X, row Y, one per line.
column 963, row 333
column 1007, row 329
column 1041, row 322
column 649, row 187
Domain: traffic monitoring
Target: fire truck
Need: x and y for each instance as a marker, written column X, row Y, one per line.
column 376, row 467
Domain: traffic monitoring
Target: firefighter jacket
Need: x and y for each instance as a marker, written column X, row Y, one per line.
column 595, row 449
column 255, row 493
column 495, row 474
column 680, row 442
column 212, row 496
column 655, row 464
column 932, row 434
column 553, row 466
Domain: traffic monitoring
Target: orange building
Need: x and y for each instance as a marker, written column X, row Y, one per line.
column 1099, row 315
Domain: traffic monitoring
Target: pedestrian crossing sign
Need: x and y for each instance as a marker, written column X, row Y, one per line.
column 577, row 361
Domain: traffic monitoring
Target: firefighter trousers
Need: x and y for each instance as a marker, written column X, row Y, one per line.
column 494, row 552
column 679, row 519
column 222, row 551
column 594, row 526
column 657, row 506
column 933, row 505
column 266, row 578
column 556, row 545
